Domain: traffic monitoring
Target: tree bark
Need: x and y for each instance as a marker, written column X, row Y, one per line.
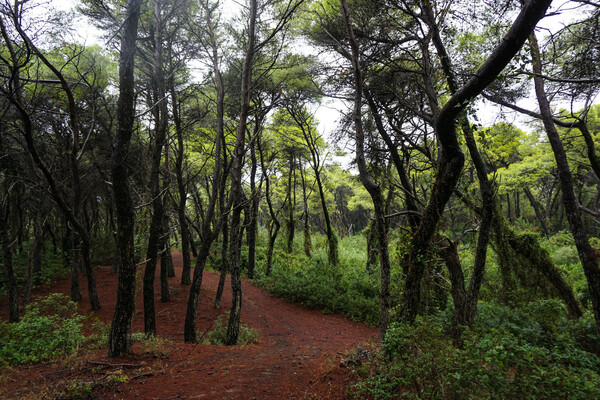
column 16, row 99
column 307, row 235
column 9, row 272
column 233, row 325
column 119, row 342
column 275, row 225
column 251, row 231
column 156, row 236
column 208, row 235
column 291, row 203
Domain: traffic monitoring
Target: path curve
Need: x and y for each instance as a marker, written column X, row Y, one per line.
column 298, row 355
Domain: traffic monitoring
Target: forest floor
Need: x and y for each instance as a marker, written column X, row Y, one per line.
column 301, row 352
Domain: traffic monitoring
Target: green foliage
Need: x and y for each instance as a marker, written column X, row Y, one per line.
column 528, row 355
column 100, row 331
column 50, row 327
column 217, row 336
column 346, row 289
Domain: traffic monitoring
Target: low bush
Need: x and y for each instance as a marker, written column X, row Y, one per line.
column 50, row 327
column 217, row 336
column 348, row 288
column 526, row 353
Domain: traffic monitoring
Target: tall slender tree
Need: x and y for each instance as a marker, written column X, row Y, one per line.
column 119, row 340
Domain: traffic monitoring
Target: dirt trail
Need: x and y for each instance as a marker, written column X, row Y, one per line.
column 298, row 355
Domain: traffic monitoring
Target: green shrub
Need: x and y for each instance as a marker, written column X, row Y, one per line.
column 345, row 289
column 217, row 336
column 529, row 354
column 50, row 327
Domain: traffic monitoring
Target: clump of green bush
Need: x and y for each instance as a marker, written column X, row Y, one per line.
column 217, row 336
column 349, row 288
column 50, row 327
column 527, row 353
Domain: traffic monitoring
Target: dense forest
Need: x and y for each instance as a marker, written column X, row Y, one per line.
column 455, row 204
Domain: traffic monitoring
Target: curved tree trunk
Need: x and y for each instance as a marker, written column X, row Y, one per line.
column 452, row 158
column 373, row 188
column 588, row 258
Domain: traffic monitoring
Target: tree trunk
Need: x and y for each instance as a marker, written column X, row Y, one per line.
column 307, row 236
column 34, row 258
column 186, row 272
column 233, row 325
column 291, row 203
column 587, row 256
column 332, row 240
column 224, row 260
column 208, row 235
column 452, row 158
column 156, row 236
column 275, row 225
column 411, row 205
column 119, row 342
column 365, row 177
column 165, row 261
column 459, row 294
column 192, row 306
column 9, row 273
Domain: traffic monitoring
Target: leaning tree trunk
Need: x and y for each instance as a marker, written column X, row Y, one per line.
column 452, row 158
column 537, row 211
column 588, row 258
column 71, row 211
column 365, row 177
column 208, row 234
column 466, row 304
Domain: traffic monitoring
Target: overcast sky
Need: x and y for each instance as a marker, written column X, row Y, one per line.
column 328, row 112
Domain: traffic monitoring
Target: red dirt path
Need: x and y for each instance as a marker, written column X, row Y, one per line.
column 299, row 354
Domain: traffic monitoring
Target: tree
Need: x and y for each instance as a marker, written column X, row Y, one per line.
column 14, row 92
column 119, row 341
column 587, row 255
column 452, row 158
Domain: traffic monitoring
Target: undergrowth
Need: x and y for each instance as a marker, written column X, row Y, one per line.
column 50, row 327
column 218, row 334
column 348, row 289
column 524, row 353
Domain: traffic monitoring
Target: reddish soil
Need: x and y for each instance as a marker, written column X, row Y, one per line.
column 300, row 353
